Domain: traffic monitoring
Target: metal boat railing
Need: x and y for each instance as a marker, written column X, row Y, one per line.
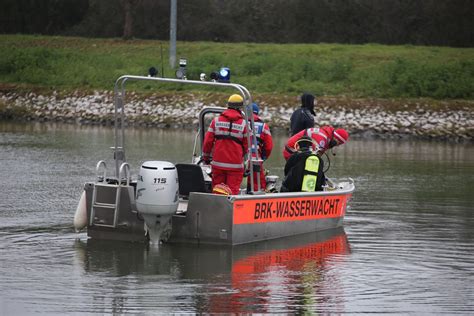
column 119, row 112
column 347, row 188
column 102, row 177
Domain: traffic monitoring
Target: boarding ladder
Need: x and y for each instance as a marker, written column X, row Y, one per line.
column 107, row 195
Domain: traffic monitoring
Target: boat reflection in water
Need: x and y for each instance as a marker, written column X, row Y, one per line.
column 294, row 274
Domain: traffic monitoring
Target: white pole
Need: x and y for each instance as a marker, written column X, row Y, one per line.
column 173, row 20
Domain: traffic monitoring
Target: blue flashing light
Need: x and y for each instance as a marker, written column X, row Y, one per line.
column 224, row 75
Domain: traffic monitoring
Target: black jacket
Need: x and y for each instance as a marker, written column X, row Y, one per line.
column 303, row 117
column 294, row 173
column 300, row 120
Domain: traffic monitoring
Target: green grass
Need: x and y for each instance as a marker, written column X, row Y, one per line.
column 361, row 71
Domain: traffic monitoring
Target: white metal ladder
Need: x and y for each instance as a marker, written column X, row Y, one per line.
column 103, row 189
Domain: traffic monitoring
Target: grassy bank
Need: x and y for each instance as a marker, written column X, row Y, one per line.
column 354, row 71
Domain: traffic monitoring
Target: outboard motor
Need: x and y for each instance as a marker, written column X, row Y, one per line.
column 157, row 195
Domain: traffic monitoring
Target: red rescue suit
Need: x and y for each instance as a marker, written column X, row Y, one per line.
column 322, row 136
column 225, row 141
column 265, row 147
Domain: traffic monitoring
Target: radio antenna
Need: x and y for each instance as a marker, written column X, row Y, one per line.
column 162, row 68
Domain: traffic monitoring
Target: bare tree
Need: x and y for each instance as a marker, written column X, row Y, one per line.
column 128, row 8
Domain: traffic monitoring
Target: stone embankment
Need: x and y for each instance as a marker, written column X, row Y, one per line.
column 178, row 111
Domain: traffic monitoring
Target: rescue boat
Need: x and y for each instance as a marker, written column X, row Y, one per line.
column 168, row 202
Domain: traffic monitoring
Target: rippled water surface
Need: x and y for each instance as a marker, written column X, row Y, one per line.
column 407, row 246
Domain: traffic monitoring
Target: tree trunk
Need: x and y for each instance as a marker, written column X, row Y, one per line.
column 128, row 19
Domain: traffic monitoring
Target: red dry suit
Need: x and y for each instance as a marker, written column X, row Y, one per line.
column 225, row 141
column 265, row 146
column 322, row 136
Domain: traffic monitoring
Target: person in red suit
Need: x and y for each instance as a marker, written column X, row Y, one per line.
column 225, row 145
column 323, row 138
column 265, row 146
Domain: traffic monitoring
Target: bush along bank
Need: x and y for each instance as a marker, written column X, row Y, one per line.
column 362, row 118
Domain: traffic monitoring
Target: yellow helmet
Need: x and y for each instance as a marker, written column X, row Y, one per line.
column 235, row 100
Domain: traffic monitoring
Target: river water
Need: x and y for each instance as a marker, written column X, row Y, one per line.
column 407, row 246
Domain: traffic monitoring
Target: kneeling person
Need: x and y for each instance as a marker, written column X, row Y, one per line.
column 304, row 170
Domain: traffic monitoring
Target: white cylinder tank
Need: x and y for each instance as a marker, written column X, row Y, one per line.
column 157, row 188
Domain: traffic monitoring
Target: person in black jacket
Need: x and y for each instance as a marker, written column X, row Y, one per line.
column 304, row 170
column 303, row 118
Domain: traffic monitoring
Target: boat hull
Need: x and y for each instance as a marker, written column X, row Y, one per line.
column 235, row 220
column 228, row 220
